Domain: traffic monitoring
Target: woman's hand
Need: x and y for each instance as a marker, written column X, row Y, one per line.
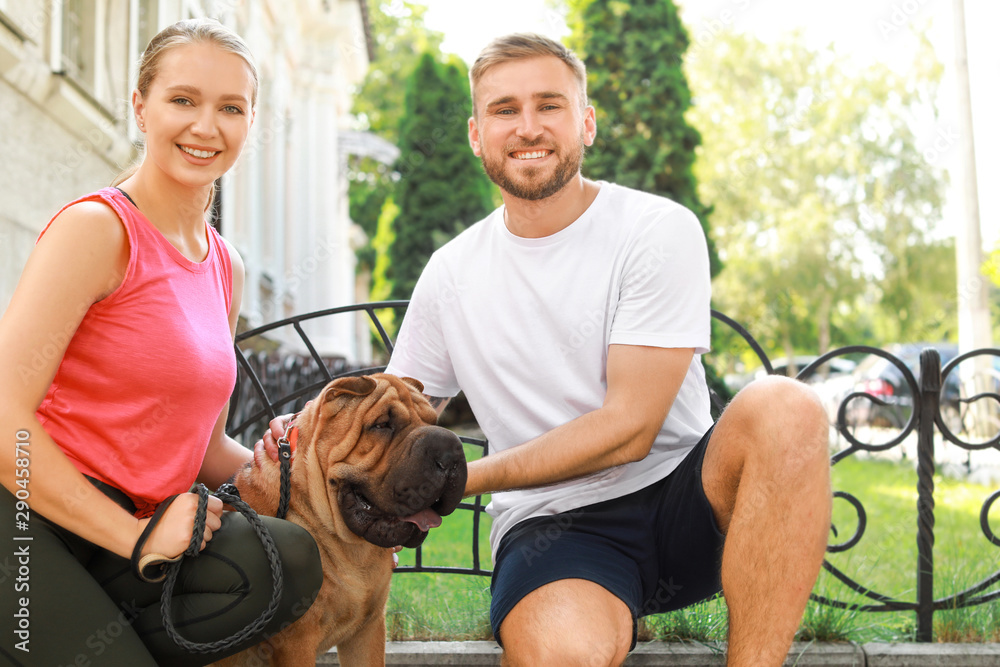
column 172, row 534
column 276, row 429
column 269, row 444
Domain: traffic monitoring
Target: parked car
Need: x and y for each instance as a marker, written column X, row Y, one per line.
column 880, row 378
column 833, row 367
column 836, row 367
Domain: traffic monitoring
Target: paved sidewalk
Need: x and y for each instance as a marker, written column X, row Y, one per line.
column 650, row 654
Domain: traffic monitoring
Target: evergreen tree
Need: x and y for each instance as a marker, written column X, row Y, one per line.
column 400, row 38
column 633, row 51
column 442, row 188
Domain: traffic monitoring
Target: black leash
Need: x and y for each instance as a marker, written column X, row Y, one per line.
column 229, row 494
column 290, row 436
column 155, row 567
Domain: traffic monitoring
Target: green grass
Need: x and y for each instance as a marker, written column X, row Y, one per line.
column 444, row 606
column 885, row 559
column 703, row 622
column 448, row 606
column 428, row 607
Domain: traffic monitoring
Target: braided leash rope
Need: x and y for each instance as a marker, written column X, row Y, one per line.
column 285, row 457
column 228, row 494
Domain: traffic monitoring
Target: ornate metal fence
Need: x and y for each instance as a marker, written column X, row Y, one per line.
column 270, row 385
column 924, row 415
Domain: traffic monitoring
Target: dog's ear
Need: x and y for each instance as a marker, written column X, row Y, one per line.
column 416, row 384
column 355, row 386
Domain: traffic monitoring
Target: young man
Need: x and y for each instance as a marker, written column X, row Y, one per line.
column 573, row 318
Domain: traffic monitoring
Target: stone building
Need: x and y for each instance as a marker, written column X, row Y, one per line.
column 67, row 69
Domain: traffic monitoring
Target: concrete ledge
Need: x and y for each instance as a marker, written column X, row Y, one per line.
column 455, row 654
column 650, row 654
column 932, row 655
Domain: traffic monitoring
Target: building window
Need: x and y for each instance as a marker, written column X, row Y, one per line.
column 78, row 47
column 28, row 19
column 95, row 49
column 148, row 19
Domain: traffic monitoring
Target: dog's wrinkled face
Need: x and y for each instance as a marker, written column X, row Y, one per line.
column 388, row 471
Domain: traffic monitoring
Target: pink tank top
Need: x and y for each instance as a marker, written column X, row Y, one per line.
column 147, row 373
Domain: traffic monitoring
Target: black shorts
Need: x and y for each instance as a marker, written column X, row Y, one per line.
column 657, row 549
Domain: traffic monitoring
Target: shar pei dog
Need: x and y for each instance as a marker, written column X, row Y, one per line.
column 371, row 470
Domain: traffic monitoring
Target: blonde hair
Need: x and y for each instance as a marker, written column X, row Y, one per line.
column 521, row 45
column 190, row 31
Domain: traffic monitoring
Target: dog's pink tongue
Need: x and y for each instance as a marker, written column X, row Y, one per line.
column 425, row 519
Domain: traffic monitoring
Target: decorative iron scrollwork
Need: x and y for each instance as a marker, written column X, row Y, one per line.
column 269, row 386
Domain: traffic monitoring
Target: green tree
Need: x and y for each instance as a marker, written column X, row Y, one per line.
column 442, row 188
column 825, row 209
column 381, row 286
column 991, row 269
column 633, row 50
column 400, row 37
column 369, row 193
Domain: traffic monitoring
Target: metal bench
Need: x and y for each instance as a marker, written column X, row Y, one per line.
column 270, row 385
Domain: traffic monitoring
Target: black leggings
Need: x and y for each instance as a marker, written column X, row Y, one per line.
column 79, row 604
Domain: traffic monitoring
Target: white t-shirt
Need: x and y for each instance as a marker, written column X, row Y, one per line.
column 523, row 327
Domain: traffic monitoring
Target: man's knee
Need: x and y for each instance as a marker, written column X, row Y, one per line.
column 785, row 396
column 783, row 405
column 569, row 622
column 776, row 429
column 591, row 649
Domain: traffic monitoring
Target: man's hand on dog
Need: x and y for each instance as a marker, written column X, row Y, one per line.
column 172, row 534
column 269, row 444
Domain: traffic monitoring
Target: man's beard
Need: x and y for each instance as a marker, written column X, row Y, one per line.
column 529, row 187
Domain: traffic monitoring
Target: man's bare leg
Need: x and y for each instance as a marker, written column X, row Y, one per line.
column 767, row 475
column 571, row 622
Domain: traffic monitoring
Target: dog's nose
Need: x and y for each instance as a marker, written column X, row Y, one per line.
column 440, row 446
column 436, row 473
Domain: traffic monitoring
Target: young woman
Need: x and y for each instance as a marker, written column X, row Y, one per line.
column 116, row 365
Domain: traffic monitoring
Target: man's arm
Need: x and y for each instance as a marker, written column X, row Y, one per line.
column 642, row 385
